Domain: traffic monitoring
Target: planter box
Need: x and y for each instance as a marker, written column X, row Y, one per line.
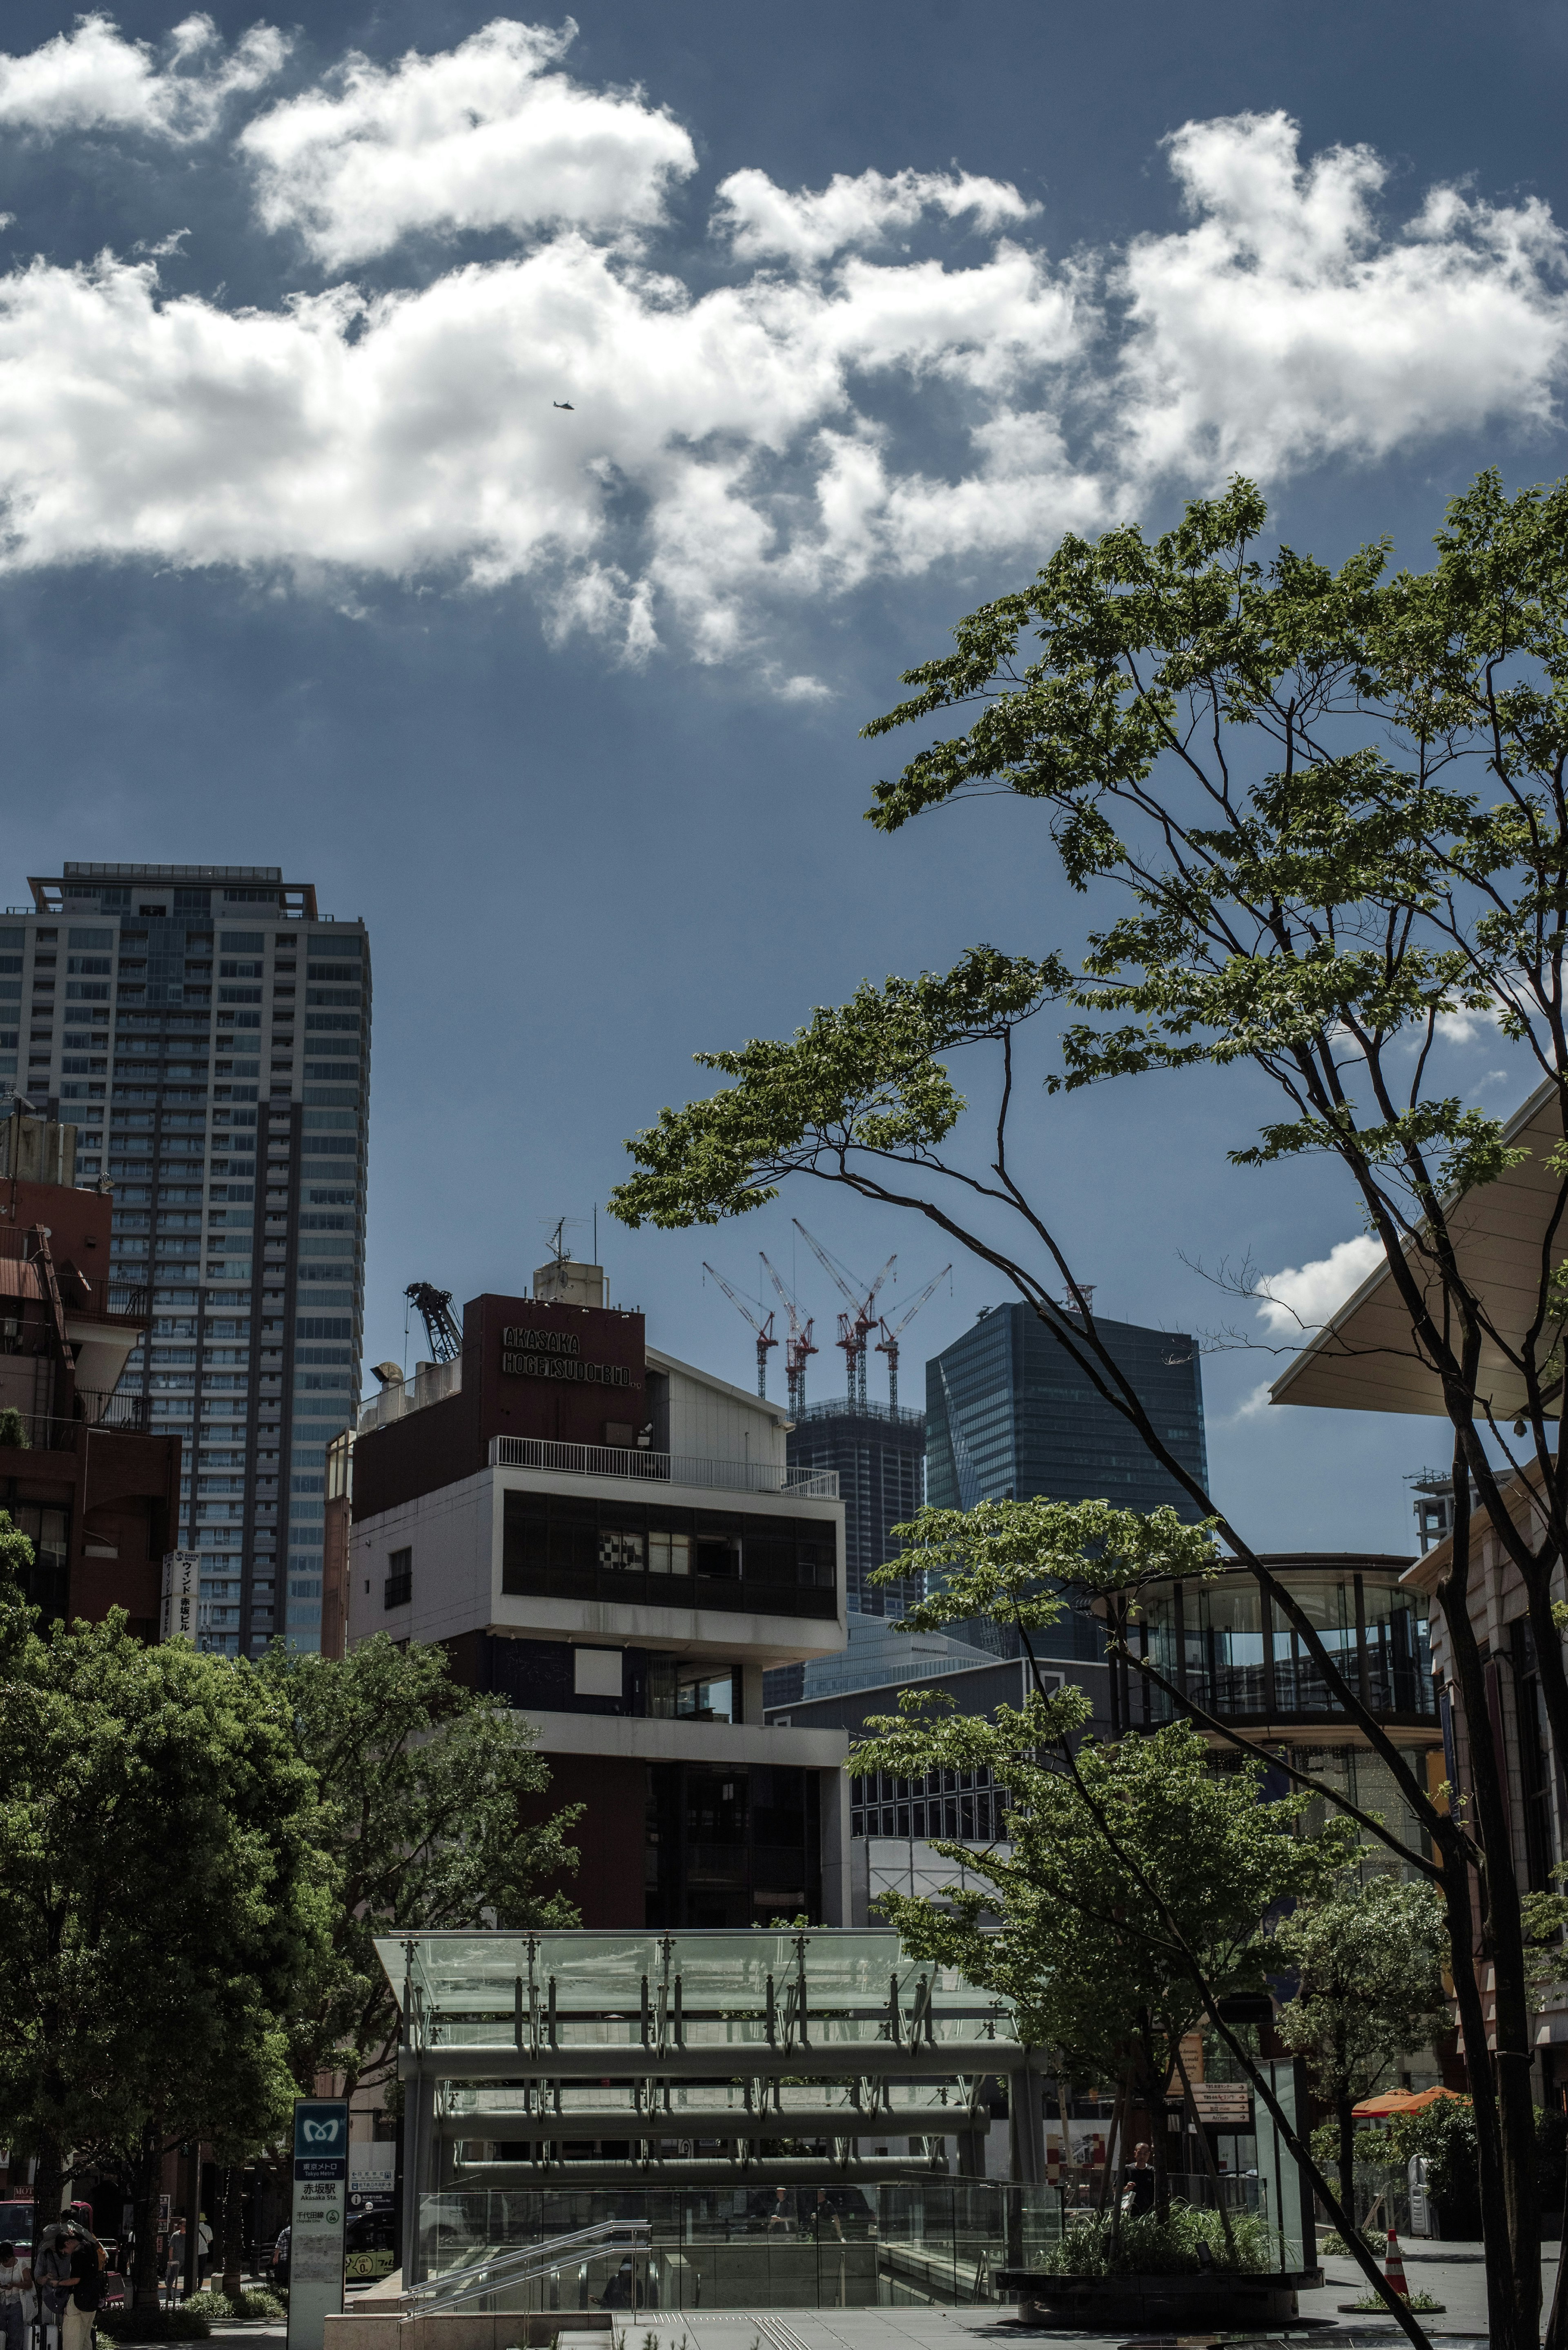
column 1158, row 2303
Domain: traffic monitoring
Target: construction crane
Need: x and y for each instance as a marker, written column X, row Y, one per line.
column 887, row 1344
column 434, row 1309
column 855, row 1325
column 798, row 1346
column 765, row 1330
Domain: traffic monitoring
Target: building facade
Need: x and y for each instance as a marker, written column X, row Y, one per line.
column 1009, row 1414
column 877, row 1452
column 615, row 1542
column 206, row 1031
column 97, row 1496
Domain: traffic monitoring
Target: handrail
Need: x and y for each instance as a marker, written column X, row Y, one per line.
column 526, row 2265
column 668, row 1468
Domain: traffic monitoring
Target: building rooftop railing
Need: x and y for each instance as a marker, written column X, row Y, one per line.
column 114, row 1415
column 897, row 1415
column 667, row 1468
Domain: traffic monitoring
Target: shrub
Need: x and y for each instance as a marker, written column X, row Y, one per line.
column 1145, row 2246
column 256, row 2304
column 183, row 2324
column 13, row 1430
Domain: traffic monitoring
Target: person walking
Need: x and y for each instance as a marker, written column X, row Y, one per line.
column 52, row 2277
column 15, row 2296
column 88, row 2267
column 174, row 2261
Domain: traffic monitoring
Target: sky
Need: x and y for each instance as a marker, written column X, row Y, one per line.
column 854, row 311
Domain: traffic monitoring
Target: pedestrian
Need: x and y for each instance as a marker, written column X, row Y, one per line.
column 89, row 2269
column 51, row 2275
column 174, row 2265
column 204, row 2248
column 1137, row 2193
column 15, row 2296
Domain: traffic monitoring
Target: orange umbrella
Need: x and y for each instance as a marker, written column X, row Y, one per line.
column 1401, row 2101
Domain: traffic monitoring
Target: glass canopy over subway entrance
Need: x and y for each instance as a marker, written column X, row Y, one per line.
column 758, row 2060
column 784, row 2117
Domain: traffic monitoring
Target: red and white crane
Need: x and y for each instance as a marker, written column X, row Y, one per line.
column 854, row 1326
column 887, row 1344
column 765, row 1330
column 798, row 1346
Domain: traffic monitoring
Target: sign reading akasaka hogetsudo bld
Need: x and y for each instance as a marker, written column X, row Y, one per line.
column 536, row 1354
column 317, row 2218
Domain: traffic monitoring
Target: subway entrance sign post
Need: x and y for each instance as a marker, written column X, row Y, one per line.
column 317, row 2218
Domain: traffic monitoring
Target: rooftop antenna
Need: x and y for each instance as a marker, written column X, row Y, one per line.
column 887, row 1344
column 765, row 1330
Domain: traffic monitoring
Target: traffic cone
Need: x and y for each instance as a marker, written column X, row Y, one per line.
column 1393, row 2268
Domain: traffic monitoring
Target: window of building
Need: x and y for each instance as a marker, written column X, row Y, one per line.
column 398, row 1589
column 551, row 1541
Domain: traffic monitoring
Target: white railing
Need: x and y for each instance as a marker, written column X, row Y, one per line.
column 668, row 1468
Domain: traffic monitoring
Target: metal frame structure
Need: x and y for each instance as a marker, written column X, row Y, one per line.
column 627, row 2059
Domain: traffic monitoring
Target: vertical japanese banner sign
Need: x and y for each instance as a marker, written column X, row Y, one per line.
column 316, row 2218
column 182, row 1582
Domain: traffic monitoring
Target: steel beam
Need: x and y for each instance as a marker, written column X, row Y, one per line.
column 823, row 2061
column 800, row 2170
column 763, row 2121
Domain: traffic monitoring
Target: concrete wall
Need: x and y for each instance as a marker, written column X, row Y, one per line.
column 716, row 1421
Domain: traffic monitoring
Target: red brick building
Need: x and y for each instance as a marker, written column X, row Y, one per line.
column 95, row 1493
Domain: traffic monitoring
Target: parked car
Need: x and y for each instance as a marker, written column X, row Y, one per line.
column 16, row 2220
column 370, row 2244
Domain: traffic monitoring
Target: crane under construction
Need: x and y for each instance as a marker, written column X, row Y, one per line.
column 856, row 1326
column 798, row 1346
column 765, row 1330
column 887, row 1344
column 434, row 1309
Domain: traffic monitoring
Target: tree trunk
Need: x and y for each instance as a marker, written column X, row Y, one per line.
column 144, row 2190
column 1343, row 2114
column 1505, row 2114
column 233, row 2225
column 47, row 2185
column 1158, row 2142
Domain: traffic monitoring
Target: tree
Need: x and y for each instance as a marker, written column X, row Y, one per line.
column 1369, row 1959
column 423, row 1786
column 166, row 1898
column 1085, row 1958
column 1331, row 808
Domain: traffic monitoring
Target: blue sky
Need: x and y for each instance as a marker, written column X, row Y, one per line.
column 857, row 309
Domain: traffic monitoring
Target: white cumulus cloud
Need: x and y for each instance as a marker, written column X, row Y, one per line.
column 1288, row 324
column 1300, row 1299
column 743, row 437
column 762, row 220
column 92, row 78
column 484, row 136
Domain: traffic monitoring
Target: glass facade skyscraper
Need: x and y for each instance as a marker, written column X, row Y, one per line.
column 1010, row 1415
column 206, row 1031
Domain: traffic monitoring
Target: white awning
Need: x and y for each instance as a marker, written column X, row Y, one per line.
column 1365, row 1359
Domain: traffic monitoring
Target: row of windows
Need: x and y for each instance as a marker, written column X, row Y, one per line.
column 544, row 1532
column 956, row 1819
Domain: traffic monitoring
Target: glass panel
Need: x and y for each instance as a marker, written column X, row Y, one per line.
column 1328, row 1603
column 1225, row 1645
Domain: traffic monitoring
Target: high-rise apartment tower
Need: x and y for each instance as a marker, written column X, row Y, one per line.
column 206, row 1031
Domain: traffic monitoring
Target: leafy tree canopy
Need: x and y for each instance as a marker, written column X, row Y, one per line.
column 166, row 1892
column 423, row 1786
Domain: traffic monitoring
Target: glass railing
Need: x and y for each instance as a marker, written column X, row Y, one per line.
column 942, row 2244
column 719, row 1989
